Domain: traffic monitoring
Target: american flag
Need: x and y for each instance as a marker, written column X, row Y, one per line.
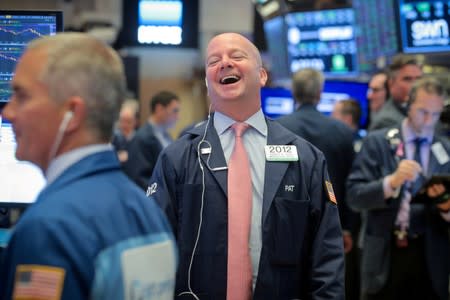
column 38, row 282
column 330, row 191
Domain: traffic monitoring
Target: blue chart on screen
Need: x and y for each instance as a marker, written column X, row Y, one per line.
column 16, row 31
column 21, row 34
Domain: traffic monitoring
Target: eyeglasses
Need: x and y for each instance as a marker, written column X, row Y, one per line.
column 375, row 90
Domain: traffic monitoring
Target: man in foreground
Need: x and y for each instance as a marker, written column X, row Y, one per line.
column 91, row 234
column 250, row 203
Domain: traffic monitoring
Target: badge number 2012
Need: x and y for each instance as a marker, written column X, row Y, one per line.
column 281, row 153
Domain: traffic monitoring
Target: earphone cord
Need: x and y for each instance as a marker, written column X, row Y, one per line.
column 59, row 136
column 190, row 292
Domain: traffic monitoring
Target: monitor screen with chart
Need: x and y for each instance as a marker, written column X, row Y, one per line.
column 20, row 181
column 324, row 40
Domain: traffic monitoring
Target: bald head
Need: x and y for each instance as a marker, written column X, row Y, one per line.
column 234, row 75
column 231, row 37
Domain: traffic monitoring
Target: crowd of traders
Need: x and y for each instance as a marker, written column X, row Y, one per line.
column 321, row 213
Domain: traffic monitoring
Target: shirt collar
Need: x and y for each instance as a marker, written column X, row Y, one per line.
column 257, row 121
column 64, row 161
column 159, row 127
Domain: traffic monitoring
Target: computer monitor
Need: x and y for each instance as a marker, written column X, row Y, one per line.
column 336, row 90
column 376, row 34
column 323, row 40
column 278, row 101
column 20, row 182
column 424, row 25
column 160, row 23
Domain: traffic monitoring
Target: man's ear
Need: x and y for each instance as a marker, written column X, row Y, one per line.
column 263, row 76
column 76, row 106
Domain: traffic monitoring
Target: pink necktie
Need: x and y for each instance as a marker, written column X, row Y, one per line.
column 239, row 275
column 405, row 204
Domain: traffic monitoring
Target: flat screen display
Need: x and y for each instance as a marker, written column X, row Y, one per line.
column 20, row 181
column 335, row 90
column 17, row 28
column 376, row 35
column 159, row 23
column 276, row 102
column 424, row 25
column 323, row 40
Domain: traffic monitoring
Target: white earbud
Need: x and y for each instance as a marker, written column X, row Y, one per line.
column 60, row 134
column 67, row 116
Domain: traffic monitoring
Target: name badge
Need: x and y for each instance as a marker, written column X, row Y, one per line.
column 440, row 153
column 281, row 152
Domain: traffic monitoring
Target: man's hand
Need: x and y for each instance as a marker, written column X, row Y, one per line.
column 437, row 190
column 444, row 207
column 407, row 170
column 348, row 241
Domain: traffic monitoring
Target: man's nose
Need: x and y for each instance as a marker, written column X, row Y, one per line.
column 225, row 62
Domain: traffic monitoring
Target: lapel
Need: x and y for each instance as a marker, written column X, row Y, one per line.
column 274, row 171
column 217, row 158
column 433, row 163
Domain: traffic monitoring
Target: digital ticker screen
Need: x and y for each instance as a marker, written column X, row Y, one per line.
column 16, row 30
column 424, row 25
column 324, row 40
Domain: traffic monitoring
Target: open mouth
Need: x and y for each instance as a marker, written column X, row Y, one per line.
column 230, row 79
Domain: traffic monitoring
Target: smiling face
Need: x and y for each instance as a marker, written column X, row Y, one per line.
column 234, row 74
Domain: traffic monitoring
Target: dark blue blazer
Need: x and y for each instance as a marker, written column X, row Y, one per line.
column 335, row 140
column 143, row 151
column 376, row 160
column 302, row 253
column 83, row 222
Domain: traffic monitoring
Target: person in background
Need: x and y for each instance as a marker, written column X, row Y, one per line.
column 348, row 111
column 332, row 137
column 92, row 233
column 126, row 128
column 377, row 93
column 403, row 72
column 271, row 233
column 152, row 137
column 406, row 252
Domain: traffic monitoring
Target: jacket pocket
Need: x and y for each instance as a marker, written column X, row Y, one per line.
column 288, row 223
column 212, row 231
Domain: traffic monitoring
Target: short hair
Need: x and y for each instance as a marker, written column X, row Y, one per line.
column 351, row 107
column 80, row 65
column 163, row 98
column 307, row 85
column 401, row 60
column 428, row 84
